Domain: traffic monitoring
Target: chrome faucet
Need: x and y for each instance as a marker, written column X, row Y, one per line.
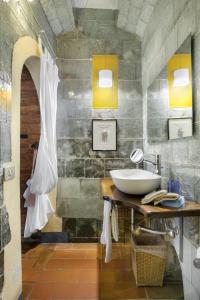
column 137, row 157
column 156, row 163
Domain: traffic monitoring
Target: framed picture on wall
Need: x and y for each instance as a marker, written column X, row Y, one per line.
column 179, row 128
column 104, row 135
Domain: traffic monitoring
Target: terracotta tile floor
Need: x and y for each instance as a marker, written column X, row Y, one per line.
column 76, row 271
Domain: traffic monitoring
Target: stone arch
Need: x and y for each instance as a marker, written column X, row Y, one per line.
column 24, row 49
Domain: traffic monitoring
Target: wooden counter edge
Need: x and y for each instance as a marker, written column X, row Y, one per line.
column 191, row 208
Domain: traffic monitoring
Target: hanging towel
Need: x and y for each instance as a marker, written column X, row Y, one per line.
column 114, row 223
column 110, row 223
column 37, row 215
column 106, row 232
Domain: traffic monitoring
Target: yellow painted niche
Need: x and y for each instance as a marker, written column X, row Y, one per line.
column 104, row 98
column 181, row 96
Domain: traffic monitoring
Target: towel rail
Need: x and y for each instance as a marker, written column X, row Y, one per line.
column 172, row 233
column 113, row 202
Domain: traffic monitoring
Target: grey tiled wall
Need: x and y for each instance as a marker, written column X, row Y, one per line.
column 171, row 23
column 80, row 168
column 13, row 26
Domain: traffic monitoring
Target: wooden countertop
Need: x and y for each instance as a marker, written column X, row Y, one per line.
column 110, row 192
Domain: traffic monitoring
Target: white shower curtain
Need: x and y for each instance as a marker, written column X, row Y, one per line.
column 45, row 175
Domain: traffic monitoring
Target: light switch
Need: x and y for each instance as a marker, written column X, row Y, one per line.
column 9, row 172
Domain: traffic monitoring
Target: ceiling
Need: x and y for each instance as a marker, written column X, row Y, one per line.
column 59, row 14
column 133, row 16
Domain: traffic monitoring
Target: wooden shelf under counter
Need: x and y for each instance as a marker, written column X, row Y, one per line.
column 110, row 192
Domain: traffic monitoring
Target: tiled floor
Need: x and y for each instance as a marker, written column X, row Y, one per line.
column 75, row 271
column 61, row 271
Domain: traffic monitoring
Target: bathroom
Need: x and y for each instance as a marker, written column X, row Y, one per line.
column 65, row 260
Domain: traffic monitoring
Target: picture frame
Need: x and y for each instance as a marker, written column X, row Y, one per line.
column 104, row 135
column 180, row 128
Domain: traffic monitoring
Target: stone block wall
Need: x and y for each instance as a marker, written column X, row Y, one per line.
column 15, row 23
column 80, row 168
column 172, row 21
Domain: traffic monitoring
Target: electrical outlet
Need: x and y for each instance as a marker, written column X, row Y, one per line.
column 9, row 172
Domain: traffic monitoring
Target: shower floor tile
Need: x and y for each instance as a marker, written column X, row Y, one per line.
column 78, row 272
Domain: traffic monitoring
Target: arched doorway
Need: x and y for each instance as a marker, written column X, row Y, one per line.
column 29, row 137
column 24, row 49
column 25, row 52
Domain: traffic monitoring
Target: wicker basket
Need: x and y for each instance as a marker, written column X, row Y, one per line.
column 148, row 259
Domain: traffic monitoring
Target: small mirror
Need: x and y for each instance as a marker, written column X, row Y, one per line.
column 169, row 98
column 137, row 156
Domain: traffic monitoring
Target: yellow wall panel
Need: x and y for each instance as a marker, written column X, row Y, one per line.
column 104, row 98
column 179, row 97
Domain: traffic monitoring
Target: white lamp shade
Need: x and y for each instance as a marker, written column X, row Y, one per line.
column 181, row 77
column 105, row 79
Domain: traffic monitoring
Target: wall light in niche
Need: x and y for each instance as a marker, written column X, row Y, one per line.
column 181, row 77
column 105, row 79
column 179, row 70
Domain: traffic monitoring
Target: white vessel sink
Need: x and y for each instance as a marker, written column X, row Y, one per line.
column 135, row 181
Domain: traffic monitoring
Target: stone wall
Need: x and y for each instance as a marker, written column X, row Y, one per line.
column 15, row 22
column 171, row 22
column 80, row 168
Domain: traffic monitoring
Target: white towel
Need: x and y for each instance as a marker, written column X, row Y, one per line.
column 114, row 222
column 106, row 232
column 37, row 215
column 109, row 219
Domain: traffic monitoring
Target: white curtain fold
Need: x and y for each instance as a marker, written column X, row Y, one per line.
column 45, row 175
column 38, row 215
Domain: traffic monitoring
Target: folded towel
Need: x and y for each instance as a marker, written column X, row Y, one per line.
column 177, row 203
column 153, row 196
column 167, row 197
column 160, row 196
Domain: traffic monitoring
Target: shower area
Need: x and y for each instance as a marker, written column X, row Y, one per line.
column 38, row 161
column 29, row 139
